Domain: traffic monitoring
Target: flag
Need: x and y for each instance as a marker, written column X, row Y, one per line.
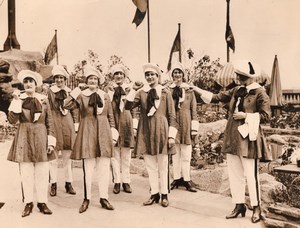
column 176, row 47
column 51, row 50
column 140, row 11
column 229, row 38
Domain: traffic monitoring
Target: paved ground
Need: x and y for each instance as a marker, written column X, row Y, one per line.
column 201, row 209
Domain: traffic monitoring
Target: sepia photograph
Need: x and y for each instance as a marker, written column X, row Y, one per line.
column 149, row 113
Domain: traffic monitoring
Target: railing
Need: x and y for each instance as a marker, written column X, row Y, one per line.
column 291, row 96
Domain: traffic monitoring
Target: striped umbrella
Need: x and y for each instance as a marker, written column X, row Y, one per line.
column 226, row 76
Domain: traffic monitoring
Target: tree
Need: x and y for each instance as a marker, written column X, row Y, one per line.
column 203, row 73
column 92, row 59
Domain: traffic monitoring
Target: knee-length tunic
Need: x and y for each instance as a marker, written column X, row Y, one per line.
column 30, row 141
column 94, row 137
column 153, row 131
column 184, row 116
column 256, row 100
column 63, row 120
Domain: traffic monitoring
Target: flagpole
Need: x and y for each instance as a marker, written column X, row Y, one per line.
column 227, row 25
column 179, row 42
column 148, row 23
column 56, row 46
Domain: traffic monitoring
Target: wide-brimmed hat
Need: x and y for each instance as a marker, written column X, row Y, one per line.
column 59, row 70
column 30, row 74
column 152, row 67
column 119, row 68
column 246, row 68
column 5, row 76
column 89, row 71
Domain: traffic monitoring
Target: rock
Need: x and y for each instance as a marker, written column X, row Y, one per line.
column 270, row 188
column 277, row 139
column 213, row 127
column 291, row 138
column 279, row 224
column 285, row 210
column 138, row 166
column 212, row 180
column 276, row 216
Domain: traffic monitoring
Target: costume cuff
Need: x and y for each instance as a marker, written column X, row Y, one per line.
column 15, row 106
column 206, row 96
column 135, row 123
column 115, row 134
column 131, row 95
column 195, row 127
column 51, row 141
column 75, row 92
column 172, row 132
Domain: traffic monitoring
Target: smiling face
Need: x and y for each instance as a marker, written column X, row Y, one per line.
column 60, row 81
column 29, row 85
column 92, row 81
column 119, row 77
column 177, row 76
column 151, row 78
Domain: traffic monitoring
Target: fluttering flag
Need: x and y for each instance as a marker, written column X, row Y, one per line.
column 228, row 34
column 140, row 11
column 176, row 47
column 229, row 38
column 51, row 50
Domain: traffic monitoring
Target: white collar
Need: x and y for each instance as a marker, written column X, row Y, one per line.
column 55, row 89
column 253, row 85
column 39, row 96
column 158, row 88
column 87, row 92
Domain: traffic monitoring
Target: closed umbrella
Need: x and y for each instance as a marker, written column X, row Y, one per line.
column 276, row 100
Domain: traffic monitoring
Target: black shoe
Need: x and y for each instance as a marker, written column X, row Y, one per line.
column 176, row 183
column 127, row 188
column 164, row 200
column 1, row 204
column 133, row 155
column 53, row 189
column 69, row 188
column 27, row 209
column 117, row 187
column 240, row 208
column 256, row 216
column 154, row 198
column 105, row 204
column 44, row 209
column 189, row 187
column 84, row 206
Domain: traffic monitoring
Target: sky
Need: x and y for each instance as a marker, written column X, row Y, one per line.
column 262, row 29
